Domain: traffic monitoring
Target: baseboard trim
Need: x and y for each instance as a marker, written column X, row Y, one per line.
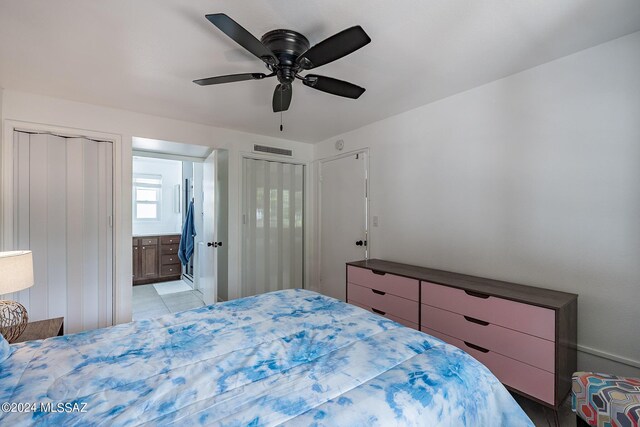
column 609, row 356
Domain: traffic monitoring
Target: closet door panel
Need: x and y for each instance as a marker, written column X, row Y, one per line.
column 56, row 215
column 75, row 227
column 38, row 188
column 297, row 200
column 106, row 183
column 21, row 186
column 91, row 236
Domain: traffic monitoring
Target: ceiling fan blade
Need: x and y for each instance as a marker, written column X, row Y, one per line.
column 282, row 97
column 335, row 47
column 333, row 86
column 241, row 36
column 230, row 78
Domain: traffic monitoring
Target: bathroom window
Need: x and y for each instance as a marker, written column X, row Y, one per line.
column 147, row 191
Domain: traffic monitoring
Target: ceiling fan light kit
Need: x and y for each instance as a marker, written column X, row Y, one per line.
column 286, row 54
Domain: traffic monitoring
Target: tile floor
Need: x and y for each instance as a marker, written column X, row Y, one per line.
column 147, row 303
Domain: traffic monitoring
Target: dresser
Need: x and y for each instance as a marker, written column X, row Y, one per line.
column 155, row 259
column 524, row 334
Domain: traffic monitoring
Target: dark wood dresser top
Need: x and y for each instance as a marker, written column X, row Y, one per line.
column 42, row 329
column 522, row 293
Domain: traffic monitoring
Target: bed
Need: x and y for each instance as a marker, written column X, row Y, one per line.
column 291, row 357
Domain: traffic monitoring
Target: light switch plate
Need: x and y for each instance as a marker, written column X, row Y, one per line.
column 375, row 220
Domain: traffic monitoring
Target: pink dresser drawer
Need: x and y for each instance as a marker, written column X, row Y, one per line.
column 525, row 318
column 516, row 345
column 389, row 283
column 387, row 303
column 525, row 378
column 388, row 316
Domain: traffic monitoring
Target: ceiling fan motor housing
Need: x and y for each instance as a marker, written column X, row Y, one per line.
column 286, row 45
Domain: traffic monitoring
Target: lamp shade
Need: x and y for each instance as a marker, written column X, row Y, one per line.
column 16, row 271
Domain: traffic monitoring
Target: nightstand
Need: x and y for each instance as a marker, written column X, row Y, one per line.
column 42, row 329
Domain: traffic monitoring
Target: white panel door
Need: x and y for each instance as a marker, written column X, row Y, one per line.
column 64, row 204
column 221, row 193
column 343, row 220
column 207, row 258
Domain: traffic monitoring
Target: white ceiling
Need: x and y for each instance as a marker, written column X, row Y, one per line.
column 142, row 55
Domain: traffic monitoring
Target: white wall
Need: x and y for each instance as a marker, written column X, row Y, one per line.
column 170, row 220
column 37, row 109
column 534, row 179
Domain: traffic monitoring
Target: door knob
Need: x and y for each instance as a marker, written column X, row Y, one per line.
column 210, row 243
column 214, row 244
column 359, row 243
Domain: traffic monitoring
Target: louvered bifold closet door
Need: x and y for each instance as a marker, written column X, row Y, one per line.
column 272, row 244
column 63, row 198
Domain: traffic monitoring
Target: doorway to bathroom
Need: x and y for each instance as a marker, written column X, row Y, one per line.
column 166, row 195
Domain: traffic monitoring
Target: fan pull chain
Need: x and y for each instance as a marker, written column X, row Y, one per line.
column 281, row 127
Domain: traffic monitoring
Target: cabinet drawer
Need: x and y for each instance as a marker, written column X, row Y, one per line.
column 169, row 240
column 516, row 345
column 387, row 303
column 388, row 316
column 522, row 377
column 170, row 259
column 521, row 317
column 388, row 283
column 170, row 270
column 149, row 241
column 169, row 249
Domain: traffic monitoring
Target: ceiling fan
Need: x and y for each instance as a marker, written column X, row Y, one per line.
column 286, row 53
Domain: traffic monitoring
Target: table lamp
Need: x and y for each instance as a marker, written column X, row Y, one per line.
column 16, row 274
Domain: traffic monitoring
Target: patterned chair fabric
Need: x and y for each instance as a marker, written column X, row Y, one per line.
column 606, row 400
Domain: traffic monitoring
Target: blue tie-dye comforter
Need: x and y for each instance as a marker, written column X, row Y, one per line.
column 290, row 357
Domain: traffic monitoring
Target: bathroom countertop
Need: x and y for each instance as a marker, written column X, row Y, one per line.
column 177, row 233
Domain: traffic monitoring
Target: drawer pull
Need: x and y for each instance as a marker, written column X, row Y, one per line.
column 375, row 291
column 478, row 321
column 476, row 294
column 380, row 312
column 379, row 273
column 476, row 347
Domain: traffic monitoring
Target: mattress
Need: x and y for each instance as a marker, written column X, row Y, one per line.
column 291, row 357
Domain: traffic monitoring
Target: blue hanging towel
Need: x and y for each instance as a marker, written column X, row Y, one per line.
column 186, row 240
